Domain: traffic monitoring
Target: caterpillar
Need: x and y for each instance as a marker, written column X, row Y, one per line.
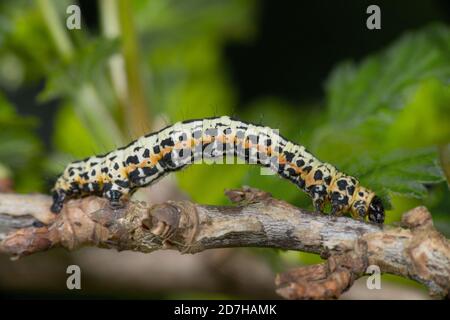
column 117, row 174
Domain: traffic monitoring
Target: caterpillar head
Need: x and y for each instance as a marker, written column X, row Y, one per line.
column 366, row 203
column 58, row 196
column 376, row 210
column 59, row 193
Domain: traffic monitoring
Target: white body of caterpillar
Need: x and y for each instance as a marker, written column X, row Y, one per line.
column 144, row 161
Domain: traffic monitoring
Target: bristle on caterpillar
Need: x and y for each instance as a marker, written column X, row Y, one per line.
column 119, row 173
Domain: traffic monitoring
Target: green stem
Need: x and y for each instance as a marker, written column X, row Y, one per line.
column 55, row 27
column 137, row 115
column 109, row 18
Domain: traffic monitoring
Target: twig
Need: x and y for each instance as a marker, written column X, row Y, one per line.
column 413, row 250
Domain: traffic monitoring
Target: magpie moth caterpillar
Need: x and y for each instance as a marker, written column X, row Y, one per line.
column 117, row 174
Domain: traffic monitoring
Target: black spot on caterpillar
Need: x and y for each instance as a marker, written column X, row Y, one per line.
column 118, row 174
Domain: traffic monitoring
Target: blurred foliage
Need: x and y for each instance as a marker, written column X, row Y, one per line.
column 20, row 150
column 367, row 128
column 382, row 120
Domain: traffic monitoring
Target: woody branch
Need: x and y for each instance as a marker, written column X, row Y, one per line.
column 414, row 250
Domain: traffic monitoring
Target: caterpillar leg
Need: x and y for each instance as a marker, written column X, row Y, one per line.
column 336, row 210
column 339, row 202
column 116, row 196
column 318, row 194
column 58, row 201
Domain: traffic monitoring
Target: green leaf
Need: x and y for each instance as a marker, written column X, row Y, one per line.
column 88, row 65
column 427, row 113
column 385, row 80
column 401, row 172
column 385, row 114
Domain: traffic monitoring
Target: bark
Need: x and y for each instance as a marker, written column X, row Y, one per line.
column 414, row 249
